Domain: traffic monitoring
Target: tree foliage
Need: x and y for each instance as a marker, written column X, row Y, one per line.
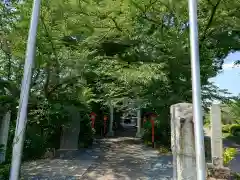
column 91, row 52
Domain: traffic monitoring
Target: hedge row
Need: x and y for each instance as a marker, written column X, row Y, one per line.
column 234, row 129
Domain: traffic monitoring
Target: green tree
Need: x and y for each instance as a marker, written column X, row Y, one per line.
column 90, row 52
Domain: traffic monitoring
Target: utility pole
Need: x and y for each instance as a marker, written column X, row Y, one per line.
column 196, row 92
column 18, row 141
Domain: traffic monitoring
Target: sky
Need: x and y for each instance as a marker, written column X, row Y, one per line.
column 230, row 77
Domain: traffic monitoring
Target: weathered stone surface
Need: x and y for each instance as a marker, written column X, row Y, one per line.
column 218, row 173
column 216, row 136
column 110, row 131
column 183, row 142
column 69, row 140
column 4, row 128
column 139, row 123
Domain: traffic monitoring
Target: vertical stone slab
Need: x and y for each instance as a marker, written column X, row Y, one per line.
column 183, row 142
column 4, row 129
column 216, row 136
column 110, row 132
column 139, row 123
column 69, row 140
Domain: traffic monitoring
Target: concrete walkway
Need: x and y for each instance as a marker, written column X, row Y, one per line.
column 121, row 158
column 127, row 159
column 71, row 166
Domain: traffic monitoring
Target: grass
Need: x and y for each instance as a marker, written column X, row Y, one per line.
column 163, row 150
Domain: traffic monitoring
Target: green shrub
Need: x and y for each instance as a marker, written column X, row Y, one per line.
column 228, row 155
column 161, row 133
column 86, row 132
column 226, row 128
column 207, row 121
column 4, row 171
column 34, row 144
column 235, row 129
column 235, row 176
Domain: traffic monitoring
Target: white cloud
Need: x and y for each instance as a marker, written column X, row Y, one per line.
column 230, row 66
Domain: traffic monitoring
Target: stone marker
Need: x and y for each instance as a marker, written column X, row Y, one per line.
column 216, row 136
column 183, row 142
column 69, row 140
column 139, row 123
column 110, row 131
column 4, row 128
column 222, row 173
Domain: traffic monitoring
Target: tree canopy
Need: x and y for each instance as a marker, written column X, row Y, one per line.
column 91, row 52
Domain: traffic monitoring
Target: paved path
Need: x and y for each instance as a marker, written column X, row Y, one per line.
column 119, row 158
column 128, row 159
column 69, row 167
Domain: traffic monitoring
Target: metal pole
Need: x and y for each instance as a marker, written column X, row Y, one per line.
column 196, row 92
column 22, row 111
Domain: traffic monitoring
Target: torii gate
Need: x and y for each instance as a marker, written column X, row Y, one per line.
column 138, row 105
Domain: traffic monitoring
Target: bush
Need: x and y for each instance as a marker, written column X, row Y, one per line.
column 235, row 176
column 235, row 129
column 207, row 121
column 86, row 132
column 4, row 171
column 228, row 155
column 226, row 128
column 161, row 133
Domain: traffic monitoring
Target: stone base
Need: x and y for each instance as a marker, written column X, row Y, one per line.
column 218, row 173
column 110, row 134
column 67, row 153
column 139, row 135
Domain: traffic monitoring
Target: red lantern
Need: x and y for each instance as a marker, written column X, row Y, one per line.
column 93, row 117
column 144, row 120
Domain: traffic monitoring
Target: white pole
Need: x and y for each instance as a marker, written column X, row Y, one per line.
column 196, row 92
column 22, row 111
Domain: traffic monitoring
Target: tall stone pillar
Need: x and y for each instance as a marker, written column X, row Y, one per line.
column 110, row 131
column 69, row 140
column 4, row 129
column 139, row 123
column 183, row 142
column 216, row 136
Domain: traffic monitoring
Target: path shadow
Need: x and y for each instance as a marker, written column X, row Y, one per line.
column 129, row 159
column 66, row 165
column 232, row 141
